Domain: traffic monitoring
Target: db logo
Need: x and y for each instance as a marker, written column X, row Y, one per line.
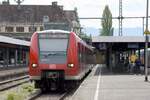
column 52, row 66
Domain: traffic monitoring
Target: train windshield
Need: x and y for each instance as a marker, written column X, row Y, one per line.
column 53, row 50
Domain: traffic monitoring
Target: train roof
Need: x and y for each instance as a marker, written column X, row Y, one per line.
column 84, row 43
column 53, row 31
column 4, row 39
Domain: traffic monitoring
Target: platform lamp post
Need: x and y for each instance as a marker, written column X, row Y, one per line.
column 146, row 43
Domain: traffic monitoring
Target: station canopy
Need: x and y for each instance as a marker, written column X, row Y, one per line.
column 119, row 43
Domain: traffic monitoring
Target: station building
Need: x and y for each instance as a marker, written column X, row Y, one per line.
column 115, row 50
column 20, row 21
column 13, row 52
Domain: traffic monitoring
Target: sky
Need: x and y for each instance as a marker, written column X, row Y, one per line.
column 94, row 8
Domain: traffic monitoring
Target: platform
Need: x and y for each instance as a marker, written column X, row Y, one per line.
column 103, row 85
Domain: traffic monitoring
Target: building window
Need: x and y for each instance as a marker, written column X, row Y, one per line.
column 9, row 29
column 41, row 29
column 20, row 29
column 32, row 29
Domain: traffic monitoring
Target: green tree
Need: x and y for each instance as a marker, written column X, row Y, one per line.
column 106, row 22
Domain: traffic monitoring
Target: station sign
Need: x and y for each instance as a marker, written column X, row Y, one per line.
column 53, row 35
column 133, row 45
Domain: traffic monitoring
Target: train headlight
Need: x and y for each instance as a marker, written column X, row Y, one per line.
column 34, row 65
column 71, row 65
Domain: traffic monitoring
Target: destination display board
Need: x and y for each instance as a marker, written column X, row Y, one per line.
column 53, row 35
column 133, row 45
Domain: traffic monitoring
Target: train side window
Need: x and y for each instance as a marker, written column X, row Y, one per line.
column 85, row 55
column 82, row 51
column 79, row 52
column 88, row 56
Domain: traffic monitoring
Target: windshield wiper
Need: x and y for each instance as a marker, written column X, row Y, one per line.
column 51, row 54
column 54, row 54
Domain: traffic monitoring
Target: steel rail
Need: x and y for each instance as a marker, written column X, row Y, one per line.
column 6, row 85
column 15, row 79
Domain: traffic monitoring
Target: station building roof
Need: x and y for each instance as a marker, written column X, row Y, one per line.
column 119, row 43
column 117, row 39
column 8, row 40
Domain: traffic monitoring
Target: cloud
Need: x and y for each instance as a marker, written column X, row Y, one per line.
column 137, row 7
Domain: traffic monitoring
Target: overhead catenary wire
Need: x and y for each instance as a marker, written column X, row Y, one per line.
column 128, row 17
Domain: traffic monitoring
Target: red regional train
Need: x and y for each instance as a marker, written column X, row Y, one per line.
column 58, row 58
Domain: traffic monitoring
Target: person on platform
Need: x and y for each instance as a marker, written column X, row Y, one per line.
column 132, row 60
column 137, row 65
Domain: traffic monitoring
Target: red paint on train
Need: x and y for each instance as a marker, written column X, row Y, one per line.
column 75, row 66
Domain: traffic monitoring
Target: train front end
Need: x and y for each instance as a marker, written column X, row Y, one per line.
column 48, row 59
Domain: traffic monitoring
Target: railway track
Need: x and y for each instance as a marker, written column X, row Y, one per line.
column 54, row 95
column 12, row 73
column 50, row 96
column 8, row 84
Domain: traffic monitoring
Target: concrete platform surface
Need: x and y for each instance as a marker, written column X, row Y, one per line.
column 102, row 85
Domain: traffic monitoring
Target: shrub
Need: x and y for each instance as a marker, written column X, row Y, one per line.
column 14, row 96
column 28, row 87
